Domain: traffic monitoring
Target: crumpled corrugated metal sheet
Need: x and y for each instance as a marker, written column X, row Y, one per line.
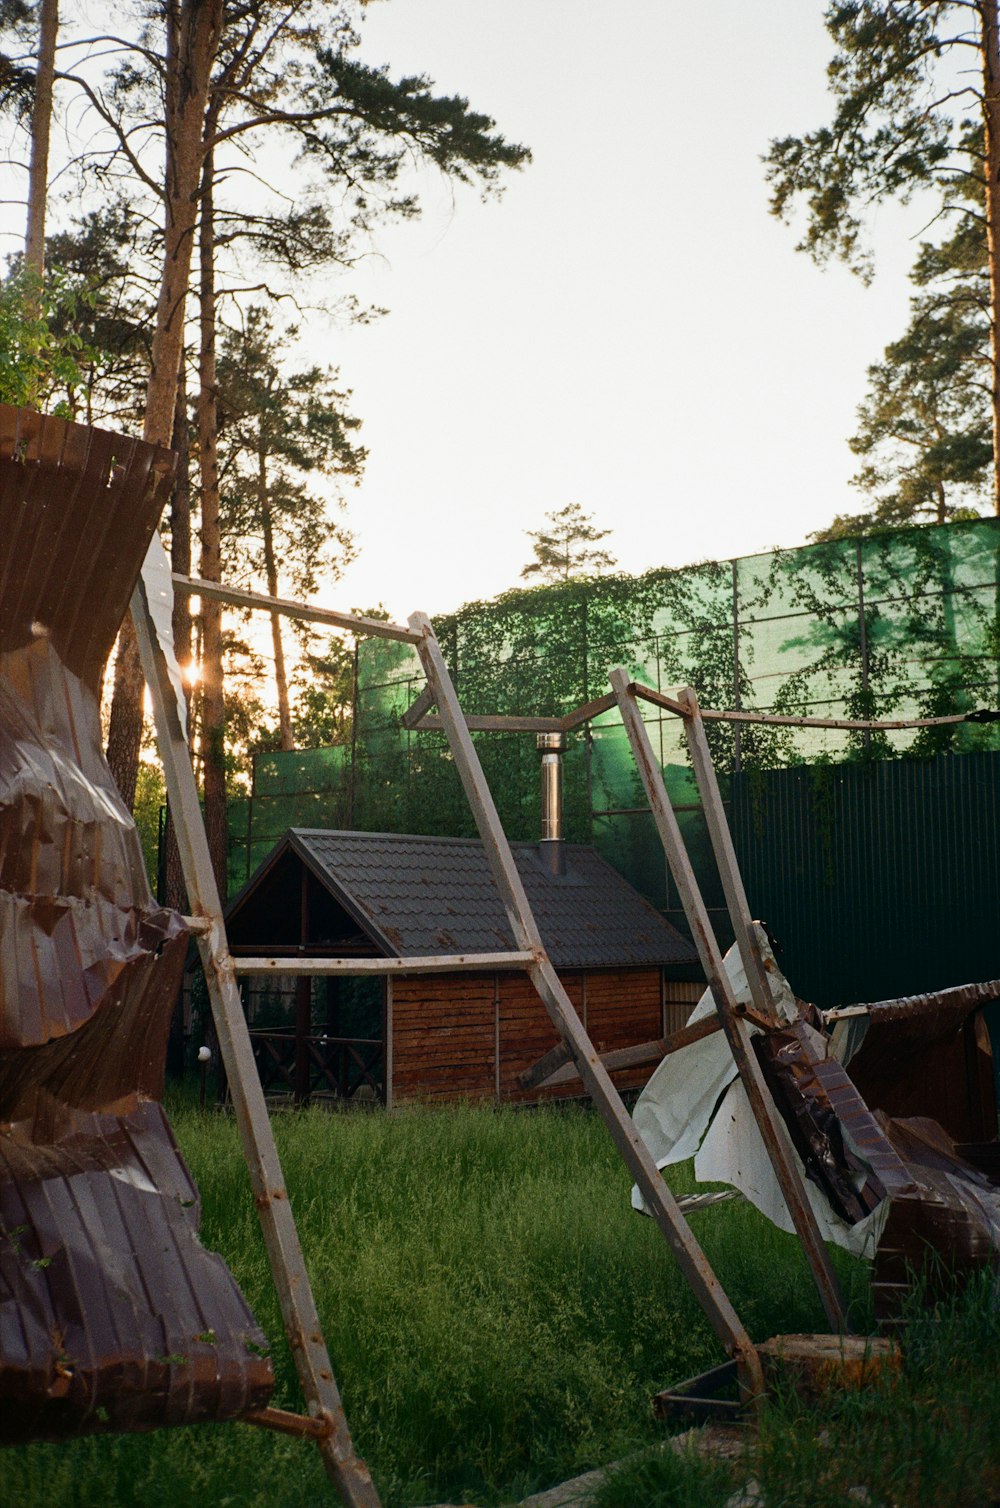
column 791, row 1061
column 928, row 1055
column 895, row 1189
column 112, row 1314
column 946, row 1223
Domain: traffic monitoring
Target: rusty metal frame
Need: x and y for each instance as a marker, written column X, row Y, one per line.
column 329, row 1426
column 769, row 1122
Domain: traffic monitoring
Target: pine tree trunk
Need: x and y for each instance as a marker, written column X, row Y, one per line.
column 125, row 725
column 180, row 521
column 942, row 504
column 991, row 126
column 271, row 569
column 193, row 28
column 174, row 892
column 41, row 125
column 213, row 709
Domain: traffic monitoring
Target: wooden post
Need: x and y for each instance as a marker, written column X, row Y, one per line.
column 347, row 1471
column 771, row 1127
column 656, row 1195
column 303, row 1000
column 725, row 857
column 303, row 1029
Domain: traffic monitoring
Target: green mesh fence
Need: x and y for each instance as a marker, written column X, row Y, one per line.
column 303, row 788
column 901, row 625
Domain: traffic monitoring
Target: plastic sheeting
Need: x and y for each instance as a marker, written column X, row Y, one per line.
column 695, row 1106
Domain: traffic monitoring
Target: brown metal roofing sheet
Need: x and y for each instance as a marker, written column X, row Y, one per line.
column 943, row 1214
column 946, row 1224
column 112, row 1314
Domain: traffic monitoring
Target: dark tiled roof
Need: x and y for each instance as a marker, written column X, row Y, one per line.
column 423, row 896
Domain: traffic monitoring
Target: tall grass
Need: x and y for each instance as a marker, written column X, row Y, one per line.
column 496, row 1314
column 927, row 1438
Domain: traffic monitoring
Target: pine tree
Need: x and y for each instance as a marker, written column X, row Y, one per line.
column 279, row 431
column 903, row 76
column 566, row 548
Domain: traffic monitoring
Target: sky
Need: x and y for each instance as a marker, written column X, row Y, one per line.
column 627, row 328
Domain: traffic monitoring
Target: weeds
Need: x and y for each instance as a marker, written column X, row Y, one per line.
column 497, row 1316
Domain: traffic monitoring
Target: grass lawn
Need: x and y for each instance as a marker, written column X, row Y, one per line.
column 496, row 1314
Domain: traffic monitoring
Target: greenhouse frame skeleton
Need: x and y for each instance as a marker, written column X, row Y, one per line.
column 326, row 1422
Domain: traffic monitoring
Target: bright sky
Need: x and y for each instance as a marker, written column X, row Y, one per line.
column 627, row 328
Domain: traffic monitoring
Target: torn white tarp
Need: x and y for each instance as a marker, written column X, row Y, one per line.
column 695, row 1106
column 674, row 1110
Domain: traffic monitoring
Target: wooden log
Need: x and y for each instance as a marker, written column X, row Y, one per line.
column 816, row 1364
column 644, row 1052
column 542, row 1070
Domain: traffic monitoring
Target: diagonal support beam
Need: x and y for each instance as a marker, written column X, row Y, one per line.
column 657, row 1196
column 348, row 1472
column 725, row 857
column 737, row 1032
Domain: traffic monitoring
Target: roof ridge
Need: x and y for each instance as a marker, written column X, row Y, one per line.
column 344, row 832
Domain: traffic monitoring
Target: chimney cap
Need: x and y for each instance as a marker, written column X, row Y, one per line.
column 550, row 743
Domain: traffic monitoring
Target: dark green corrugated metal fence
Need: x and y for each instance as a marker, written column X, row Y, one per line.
column 879, row 879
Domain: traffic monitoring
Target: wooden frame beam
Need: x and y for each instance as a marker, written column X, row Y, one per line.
column 416, row 718
column 781, row 720
column 772, row 1129
column 450, row 963
column 345, row 1468
column 656, row 1194
column 356, row 623
column 556, row 1066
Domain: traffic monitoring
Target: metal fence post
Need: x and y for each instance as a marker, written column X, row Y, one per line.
column 737, row 704
column 866, row 736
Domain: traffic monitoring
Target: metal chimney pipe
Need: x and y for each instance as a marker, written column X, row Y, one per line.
column 551, row 848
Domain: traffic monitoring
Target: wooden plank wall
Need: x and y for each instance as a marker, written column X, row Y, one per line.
column 470, row 1035
column 680, row 996
column 443, row 1037
column 526, row 1033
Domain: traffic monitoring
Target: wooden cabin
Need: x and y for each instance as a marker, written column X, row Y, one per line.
column 436, row 1037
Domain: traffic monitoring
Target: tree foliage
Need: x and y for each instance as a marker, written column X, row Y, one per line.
column 924, row 431
column 281, row 433
column 894, row 129
column 39, row 363
column 916, row 96
column 223, row 92
column 567, row 548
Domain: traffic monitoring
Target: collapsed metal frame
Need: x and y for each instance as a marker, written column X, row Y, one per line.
column 326, row 1422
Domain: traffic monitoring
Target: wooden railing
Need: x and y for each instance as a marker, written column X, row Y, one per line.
column 338, row 1066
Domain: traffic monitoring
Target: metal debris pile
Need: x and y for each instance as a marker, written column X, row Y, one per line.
column 113, row 1315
